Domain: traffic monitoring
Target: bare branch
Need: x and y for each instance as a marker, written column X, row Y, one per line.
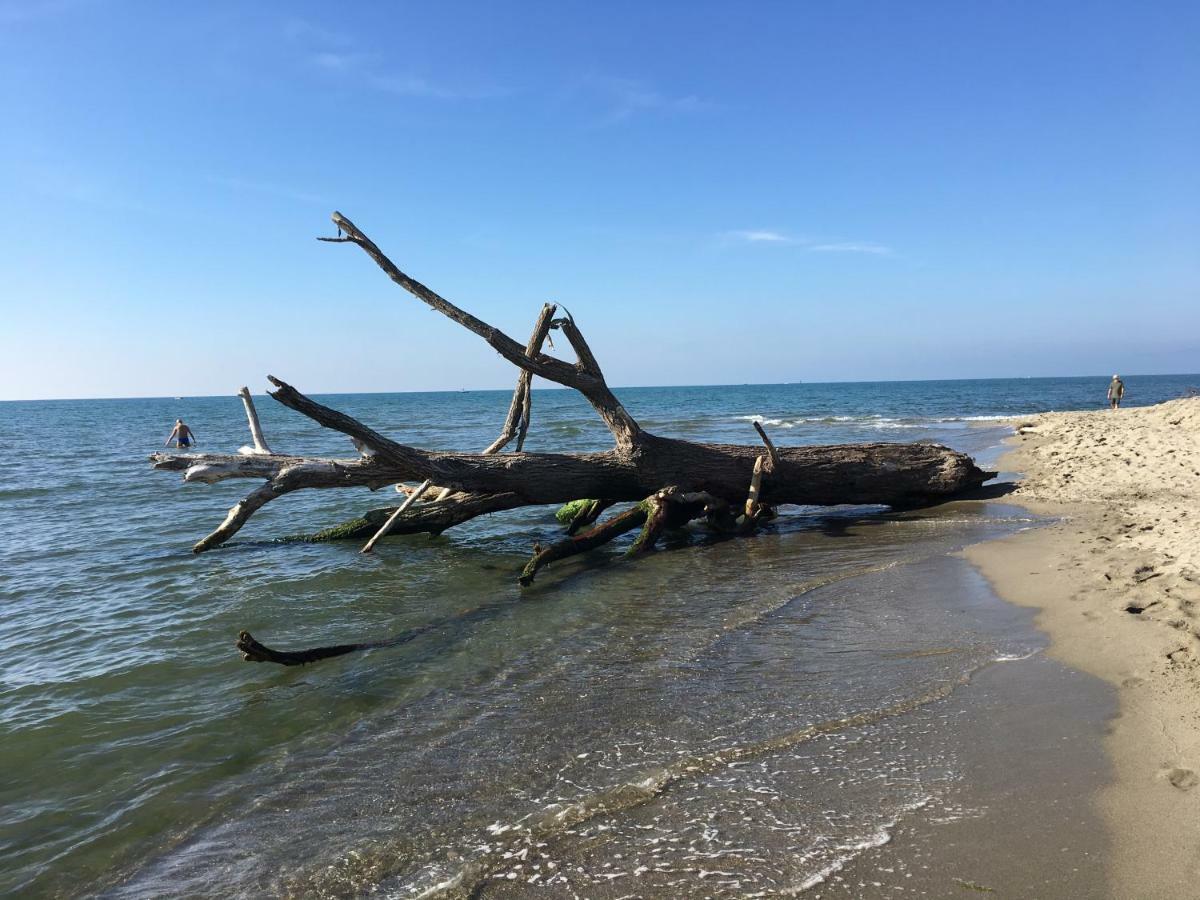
column 238, row 514
column 547, row 366
column 387, row 526
column 755, row 488
column 210, row 468
column 771, row 451
column 256, row 434
column 625, row 429
column 516, row 424
column 585, row 377
column 571, row 546
column 424, row 518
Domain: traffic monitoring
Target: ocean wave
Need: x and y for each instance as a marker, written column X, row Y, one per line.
column 873, row 420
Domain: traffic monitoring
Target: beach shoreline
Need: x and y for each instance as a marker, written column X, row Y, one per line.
column 1115, row 580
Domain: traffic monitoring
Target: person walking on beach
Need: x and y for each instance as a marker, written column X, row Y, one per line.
column 1116, row 390
column 181, row 435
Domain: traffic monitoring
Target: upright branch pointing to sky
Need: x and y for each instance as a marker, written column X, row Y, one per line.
column 734, row 488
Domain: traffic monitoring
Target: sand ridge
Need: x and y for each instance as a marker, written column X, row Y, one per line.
column 1117, row 583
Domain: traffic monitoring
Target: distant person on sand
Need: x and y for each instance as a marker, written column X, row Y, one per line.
column 1116, row 390
column 181, row 435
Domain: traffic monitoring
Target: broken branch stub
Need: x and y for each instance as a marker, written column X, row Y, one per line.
column 256, row 434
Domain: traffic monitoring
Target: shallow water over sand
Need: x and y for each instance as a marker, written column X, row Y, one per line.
column 723, row 720
column 719, row 718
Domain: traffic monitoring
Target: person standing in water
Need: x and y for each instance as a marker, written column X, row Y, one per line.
column 181, row 435
column 1116, row 390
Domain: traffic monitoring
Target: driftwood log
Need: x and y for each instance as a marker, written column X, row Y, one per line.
column 733, row 488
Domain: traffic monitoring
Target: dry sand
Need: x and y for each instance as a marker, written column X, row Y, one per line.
column 1117, row 583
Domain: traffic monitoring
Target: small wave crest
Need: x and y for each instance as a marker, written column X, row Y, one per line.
column 846, row 852
column 873, row 420
column 1015, row 657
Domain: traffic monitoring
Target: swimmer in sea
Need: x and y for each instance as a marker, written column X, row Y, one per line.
column 181, row 435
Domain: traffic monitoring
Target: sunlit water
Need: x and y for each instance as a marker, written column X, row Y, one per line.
column 720, row 718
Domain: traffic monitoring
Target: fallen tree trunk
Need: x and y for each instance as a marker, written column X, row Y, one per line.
column 734, row 487
column 898, row 475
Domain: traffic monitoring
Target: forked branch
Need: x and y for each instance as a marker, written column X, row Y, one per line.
column 585, row 375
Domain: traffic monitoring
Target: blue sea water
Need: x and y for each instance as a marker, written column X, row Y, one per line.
column 139, row 755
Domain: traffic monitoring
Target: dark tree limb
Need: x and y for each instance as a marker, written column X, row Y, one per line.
column 652, row 528
column 253, row 651
column 423, row 518
column 772, row 453
column 584, row 376
column 621, row 424
column 664, row 509
column 589, row 540
column 516, row 423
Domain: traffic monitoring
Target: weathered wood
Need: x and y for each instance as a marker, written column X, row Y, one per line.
column 589, row 540
column 256, row 434
column 424, row 518
column 755, row 488
column 666, row 508
column 772, row 453
column 516, row 424
column 387, row 526
column 585, row 375
column 881, row 473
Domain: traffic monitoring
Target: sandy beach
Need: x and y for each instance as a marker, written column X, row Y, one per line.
column 1116, row 580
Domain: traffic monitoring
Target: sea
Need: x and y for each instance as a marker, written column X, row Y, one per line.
column 839, row 706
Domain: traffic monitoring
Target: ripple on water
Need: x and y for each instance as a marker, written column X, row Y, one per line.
column 134, row 732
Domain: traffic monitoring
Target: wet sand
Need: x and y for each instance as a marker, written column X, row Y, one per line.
column 1116, row 582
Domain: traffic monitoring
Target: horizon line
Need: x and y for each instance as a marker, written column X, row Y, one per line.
column 628, row 387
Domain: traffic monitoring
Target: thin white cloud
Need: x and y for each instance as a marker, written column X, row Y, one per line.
column 762, row 237
column 412, row 86
column 852, row 247
column 625, row 98
column 302, row 31
column 327, row 59
column 337, row 56
column 769, row 237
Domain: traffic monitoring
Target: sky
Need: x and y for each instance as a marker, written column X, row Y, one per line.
column 718, row 192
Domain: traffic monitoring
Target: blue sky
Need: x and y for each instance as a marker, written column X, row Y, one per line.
column 719, row 192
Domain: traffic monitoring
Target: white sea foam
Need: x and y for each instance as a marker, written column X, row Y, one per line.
column 1015, row 657
column 848, row 852
column 873, row 420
